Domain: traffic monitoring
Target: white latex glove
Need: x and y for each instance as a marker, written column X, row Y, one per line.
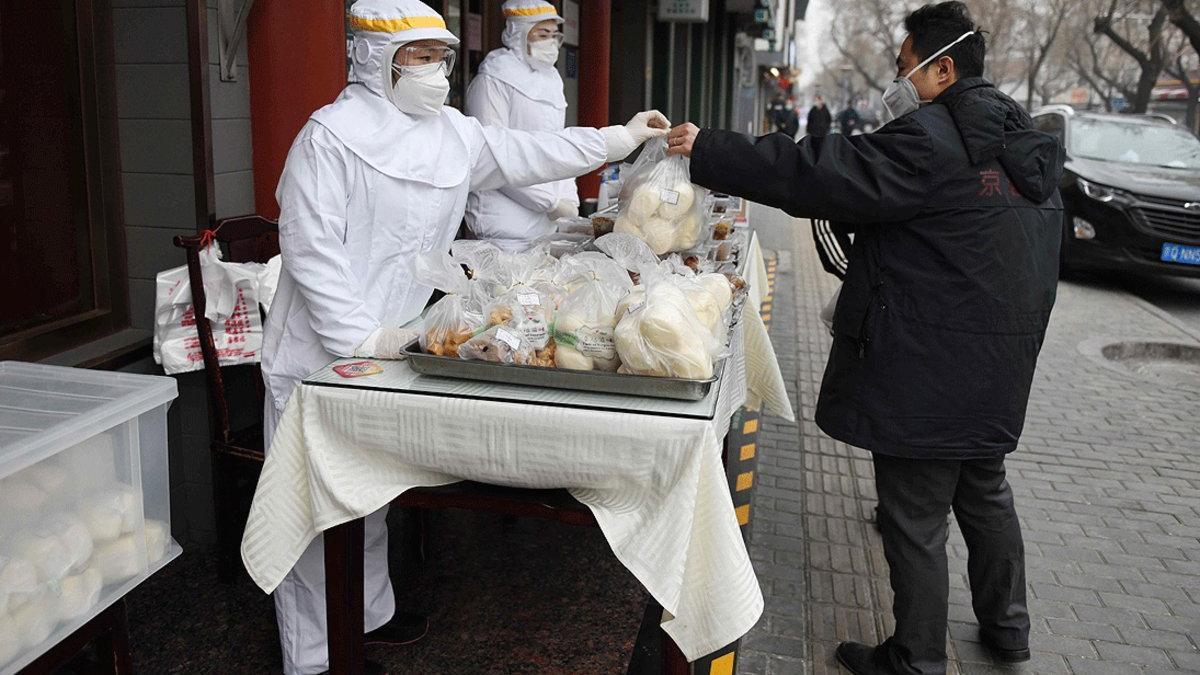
column 386, row 343
column 623, row 140
column 565, row 208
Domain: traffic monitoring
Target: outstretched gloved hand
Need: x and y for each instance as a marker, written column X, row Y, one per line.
column 623, row 140
column 386, row 343
column 565, row 208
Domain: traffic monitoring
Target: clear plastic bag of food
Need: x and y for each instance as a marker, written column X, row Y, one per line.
column 659, row 204
column 498, row 344
column 659, row 333
column 585, row 327
column 457, row 317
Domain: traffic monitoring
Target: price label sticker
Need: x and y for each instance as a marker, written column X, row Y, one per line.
column 529, row 299
column 358, row 369
column 508, row 338
column 668, row 196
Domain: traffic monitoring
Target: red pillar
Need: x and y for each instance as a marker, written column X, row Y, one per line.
column 595, row 24
column 297, row 51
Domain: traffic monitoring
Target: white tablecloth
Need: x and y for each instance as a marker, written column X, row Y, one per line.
column 654, row 483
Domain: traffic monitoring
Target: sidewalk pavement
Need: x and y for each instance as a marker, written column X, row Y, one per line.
column 1107, row 482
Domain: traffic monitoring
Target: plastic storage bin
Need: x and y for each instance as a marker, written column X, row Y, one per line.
column 84, row 498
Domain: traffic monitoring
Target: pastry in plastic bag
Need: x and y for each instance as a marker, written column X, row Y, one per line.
column 72, row 535
column 46, row 552
column 120, row 559
column 157, row 535
column 34, row 621
column 454, row 319
column 498, row 344
column 658, row 333
column 78, row 594
column 659, row 203
column 10, row 646
column 18, row 582
column 101, row 514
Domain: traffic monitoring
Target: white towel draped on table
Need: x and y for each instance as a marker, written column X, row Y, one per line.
column 654, row 483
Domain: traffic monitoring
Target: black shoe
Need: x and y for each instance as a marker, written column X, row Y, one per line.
column 1004, row 655
column 861, row 659
column 404, row 629
column 370, row 668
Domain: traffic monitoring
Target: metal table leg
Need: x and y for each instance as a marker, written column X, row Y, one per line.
column 344, row 597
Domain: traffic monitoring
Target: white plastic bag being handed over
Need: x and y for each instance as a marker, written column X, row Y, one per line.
column 659, row 203
column 454, row 319
column 231, row 297
column 658, row 332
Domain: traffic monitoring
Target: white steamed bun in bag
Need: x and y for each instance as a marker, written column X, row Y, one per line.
column 73, row 535
column 157, row 534
column 101, row 514
column 78, row 594
column 18, row 582
column 659, row 203
column 35, row 620
column 45, row 551
column 9, row 645
column 659, row 334
column 120, row 559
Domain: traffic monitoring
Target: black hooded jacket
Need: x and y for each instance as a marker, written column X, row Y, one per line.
column 953, row 271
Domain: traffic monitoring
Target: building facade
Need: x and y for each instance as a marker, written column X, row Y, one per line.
column 127, row 122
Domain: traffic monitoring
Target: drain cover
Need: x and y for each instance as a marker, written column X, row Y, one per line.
column 1155, row 360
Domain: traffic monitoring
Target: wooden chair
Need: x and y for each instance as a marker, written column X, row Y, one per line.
column 236, row 453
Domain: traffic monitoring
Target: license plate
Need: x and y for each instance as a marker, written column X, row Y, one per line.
column 1179, row 253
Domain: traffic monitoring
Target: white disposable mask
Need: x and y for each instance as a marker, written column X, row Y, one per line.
column 544, row 52
column 421, row 90
column 901, row 97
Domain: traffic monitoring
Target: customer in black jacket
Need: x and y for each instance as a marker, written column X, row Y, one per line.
column 946, row 300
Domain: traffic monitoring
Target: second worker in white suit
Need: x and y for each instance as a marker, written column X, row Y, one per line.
column 374, row 179
column 518, row 87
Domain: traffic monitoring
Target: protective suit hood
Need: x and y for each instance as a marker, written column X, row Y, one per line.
column 538, row 84
column 520, row 17
column 424, row 149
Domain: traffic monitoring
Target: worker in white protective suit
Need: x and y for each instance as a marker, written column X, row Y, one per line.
column 518, row 87
column 373, row 179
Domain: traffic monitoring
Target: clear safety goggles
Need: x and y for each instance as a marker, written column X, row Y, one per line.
column 409, row 57
column 542, row 34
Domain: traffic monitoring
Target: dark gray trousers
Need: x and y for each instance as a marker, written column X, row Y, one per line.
column 915, row 497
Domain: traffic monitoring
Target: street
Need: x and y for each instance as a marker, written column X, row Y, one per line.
column 1107, row 482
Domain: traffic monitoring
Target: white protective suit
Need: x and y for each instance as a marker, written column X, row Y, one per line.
column 516, row 91
column 366, row 188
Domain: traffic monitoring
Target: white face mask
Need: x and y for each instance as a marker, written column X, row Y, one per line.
column 544, row 52
column 901, row 97
column 421, row 90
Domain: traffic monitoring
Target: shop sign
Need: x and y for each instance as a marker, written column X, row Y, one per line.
column 683, row 10
column 570, row 27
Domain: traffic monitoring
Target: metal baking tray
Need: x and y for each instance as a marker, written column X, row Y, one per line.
column 557, row 378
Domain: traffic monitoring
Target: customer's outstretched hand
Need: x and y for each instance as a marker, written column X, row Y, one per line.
column 681, row 138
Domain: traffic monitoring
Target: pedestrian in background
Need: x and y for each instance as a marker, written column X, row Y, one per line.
column 819, row 118
column 848, row 120
column 950, row 284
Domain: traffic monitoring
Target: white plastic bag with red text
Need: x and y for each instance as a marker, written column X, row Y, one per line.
column 231, row 295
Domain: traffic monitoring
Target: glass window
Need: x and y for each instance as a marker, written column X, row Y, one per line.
column 56, row 181
column 1134, row 142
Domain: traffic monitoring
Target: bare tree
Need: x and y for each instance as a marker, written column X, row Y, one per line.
column 867, row 35
column 1043, row 24
column 1184, row 20
column 1150, row 53
column 1179, row 68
